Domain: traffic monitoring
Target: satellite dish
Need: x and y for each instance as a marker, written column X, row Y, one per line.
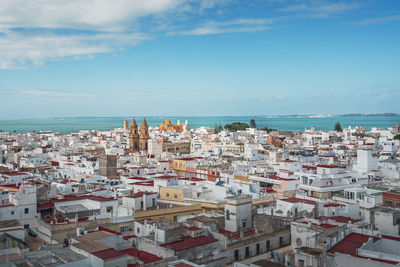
column 299, row 242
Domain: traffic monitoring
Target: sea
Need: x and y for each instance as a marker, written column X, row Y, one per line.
column 286, row 123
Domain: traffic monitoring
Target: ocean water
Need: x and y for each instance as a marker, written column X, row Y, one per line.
column 67, row 125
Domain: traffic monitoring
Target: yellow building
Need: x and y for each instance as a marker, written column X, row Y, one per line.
column 243, row 178
column 177, row 195
column 167, row 125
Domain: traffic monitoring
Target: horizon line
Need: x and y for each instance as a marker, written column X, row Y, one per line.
column 391, row 114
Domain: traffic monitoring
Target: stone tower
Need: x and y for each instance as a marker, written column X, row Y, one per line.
column 186, row 126
column 144, row 136
column 108, row 166
column 126, row 125
column 134, row 137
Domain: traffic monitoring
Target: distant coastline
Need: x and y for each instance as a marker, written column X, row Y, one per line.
column 322, row 122
column 335, row 115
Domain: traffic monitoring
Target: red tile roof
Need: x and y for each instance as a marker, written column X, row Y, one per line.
column 193, row 228
column 165, row 177
column 193, row 179
column 309, row 167
column 150, row 183
column 340, row 219
column 101, row 228
column 189, row 242
column 351, row 243
column 274, row 177
column 7, row 205
column 141, row 193
column 109, row 254
column 322, row 225
column 143, row 256
column 333, row 205
column 10, row 187
column 328, row 166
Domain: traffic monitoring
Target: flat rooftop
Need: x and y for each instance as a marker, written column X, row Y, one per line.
column 9, row 223
column 91, row 243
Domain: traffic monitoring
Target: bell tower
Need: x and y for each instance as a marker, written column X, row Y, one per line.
column 144, row 136
column 134, row 136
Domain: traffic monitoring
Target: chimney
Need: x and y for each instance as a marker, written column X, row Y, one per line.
column 144, row 201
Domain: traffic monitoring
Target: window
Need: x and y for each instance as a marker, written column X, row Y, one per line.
column 258, row 249
column 175, row 218
column 268, row 245
column 236, row 255
column 281, row 241
column 389, row 203
column 227, row 214
column 167, row 194
column 243, row 224
column 123, row 229
column 397, row 204
column 175, row 196
column 153, row 202
column 247, row 252
column 12, row 212
column 110, row 209
column 141, row 205
column 26, row 210
column 138, row 230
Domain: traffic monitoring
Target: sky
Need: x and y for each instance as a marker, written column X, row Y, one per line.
column 198, row 57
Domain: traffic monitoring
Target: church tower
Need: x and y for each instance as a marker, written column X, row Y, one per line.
column 144, row 136
column 134, row 137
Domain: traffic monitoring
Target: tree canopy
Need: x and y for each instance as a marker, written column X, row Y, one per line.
column 267, row 129
column 218, row 127
column 338, row 127
column 397, row 137
column 253, row 123
column 236, row 126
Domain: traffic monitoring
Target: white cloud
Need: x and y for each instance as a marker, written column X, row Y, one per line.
column 217, row 30
column 101, row 15
column 230, row 26
column 379, row 20
column 21, row 50
column 320, row 8
column 279, row 97
column 35, row 31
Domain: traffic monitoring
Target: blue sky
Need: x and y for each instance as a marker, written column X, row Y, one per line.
column 198, row 58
